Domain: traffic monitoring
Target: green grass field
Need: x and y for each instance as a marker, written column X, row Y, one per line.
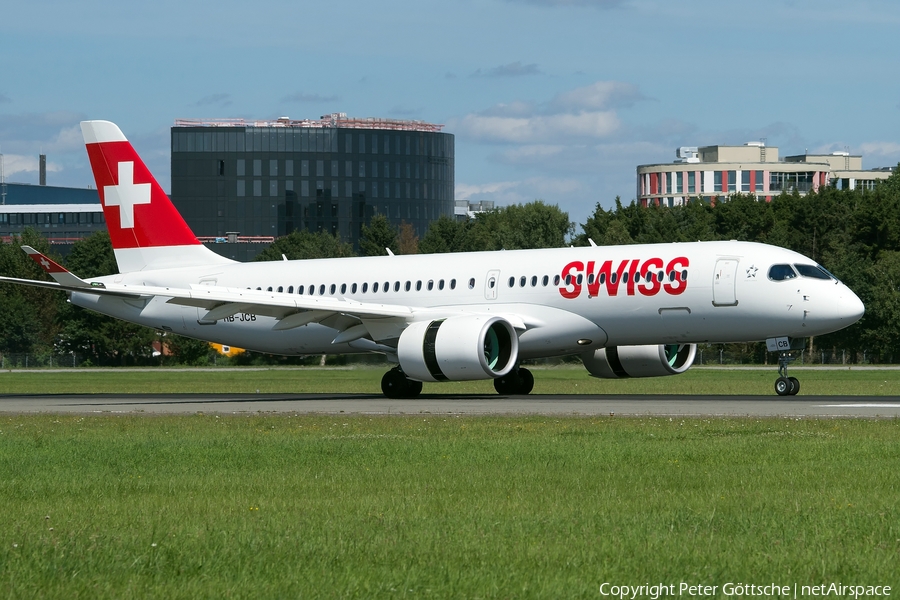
column 291, row 506
column 367, row 380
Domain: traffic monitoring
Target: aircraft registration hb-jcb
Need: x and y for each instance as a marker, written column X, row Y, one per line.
column 627, row 311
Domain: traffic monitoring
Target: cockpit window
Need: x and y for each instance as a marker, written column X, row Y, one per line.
column 781, row 272
column 814, row 271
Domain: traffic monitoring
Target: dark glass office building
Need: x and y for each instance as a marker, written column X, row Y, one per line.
column 245, row 180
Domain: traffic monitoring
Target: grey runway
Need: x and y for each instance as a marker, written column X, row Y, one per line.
column 630, row 405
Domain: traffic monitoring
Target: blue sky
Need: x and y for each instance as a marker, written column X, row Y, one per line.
column 550, row 99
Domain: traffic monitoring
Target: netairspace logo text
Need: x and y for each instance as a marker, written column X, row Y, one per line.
column 742, row 590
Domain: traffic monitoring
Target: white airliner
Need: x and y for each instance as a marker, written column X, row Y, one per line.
column 627, row 311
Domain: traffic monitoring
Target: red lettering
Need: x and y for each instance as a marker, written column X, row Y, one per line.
column 651, row 287
column 572, row 288
column 677, row 266
column 643, row 278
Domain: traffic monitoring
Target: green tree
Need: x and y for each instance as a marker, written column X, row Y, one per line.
column 304, row 244
column 29, row 322
column 92, row 256
column 446, row 235
column 521, row 226
column 378, row 235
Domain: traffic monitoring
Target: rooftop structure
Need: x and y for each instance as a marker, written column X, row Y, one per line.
column 712, row 172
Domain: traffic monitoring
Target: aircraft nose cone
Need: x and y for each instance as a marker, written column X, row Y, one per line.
column 850, row 307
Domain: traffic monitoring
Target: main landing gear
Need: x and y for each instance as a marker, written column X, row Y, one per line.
column 395, row 384
column 784, row 385
column 518, row 381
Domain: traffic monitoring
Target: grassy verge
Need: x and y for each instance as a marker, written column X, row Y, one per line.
column 311, row 506
column 367, row 380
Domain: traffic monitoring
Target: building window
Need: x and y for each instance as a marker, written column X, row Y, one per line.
column 745, row 181
column 732, row 181
column 304, row 168
column 289, row 168
column 257, row 167
column 241, row 167
column 273, row 187
column 717, row 181
column 334, row 168
column 257, row 187
column 273, row 168
column 241, row 188
column 320, row 168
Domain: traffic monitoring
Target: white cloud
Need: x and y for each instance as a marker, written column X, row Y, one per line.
column 538, row 128
column 15, row 164
column 598, row 96
column 883, row 149
column 585, row 113
column 503, row 193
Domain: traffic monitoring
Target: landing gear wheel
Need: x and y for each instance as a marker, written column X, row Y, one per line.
column 527, row 381
column 395, row 384
column 506, row 385
column 795, row 385
column 783, row 386
column 517, row 381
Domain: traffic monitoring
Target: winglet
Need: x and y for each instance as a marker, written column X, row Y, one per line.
column 55, row 270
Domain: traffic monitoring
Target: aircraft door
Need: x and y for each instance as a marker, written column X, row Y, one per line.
column 723, row 282
column 491, row 284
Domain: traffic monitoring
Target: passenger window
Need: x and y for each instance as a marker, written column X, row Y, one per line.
column 579, row 279
column 512, row 281
column 290, row 289
column 407, row 287
column 453, row 284
column 386, row 287
column 556, row 280
column 545, row 281
column 331, row 289
column 491, row 282
column 374, row 287
column 441, row 284
column 300, row 289
column 811, row 271
column 365, row 288
column 343, row 288
column 269, row 289
column 322, row 290
column 472, row 283
column 684, row 275
column 397, row 286
column 781, row 272
column 280, row 289
column 522, row 281
column 430, row 284
column 534, row 281
column 353, row 289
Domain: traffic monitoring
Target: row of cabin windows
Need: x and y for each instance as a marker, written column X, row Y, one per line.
column 660, row 276
column 430, row 285
column 354, row 288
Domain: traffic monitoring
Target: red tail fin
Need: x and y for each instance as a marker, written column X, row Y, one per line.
column 146, row 230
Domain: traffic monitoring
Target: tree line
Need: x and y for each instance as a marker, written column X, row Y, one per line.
column 855, row 234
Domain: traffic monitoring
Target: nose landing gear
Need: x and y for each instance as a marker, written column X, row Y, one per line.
column 784, row 385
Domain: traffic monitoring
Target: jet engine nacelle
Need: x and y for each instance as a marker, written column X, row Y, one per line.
column 617, row 362
column 458, row 349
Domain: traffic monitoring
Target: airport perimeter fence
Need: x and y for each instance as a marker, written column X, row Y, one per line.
column 707, row 355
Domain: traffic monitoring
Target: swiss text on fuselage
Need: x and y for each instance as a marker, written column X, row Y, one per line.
column 629, row 277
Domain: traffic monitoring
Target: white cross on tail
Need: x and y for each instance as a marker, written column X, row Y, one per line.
column 126, row 195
